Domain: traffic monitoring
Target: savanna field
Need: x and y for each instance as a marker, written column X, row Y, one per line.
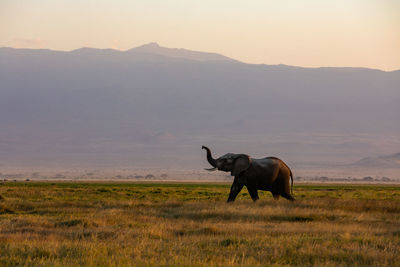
column 171, row 224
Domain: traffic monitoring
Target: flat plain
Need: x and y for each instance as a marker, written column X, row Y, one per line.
column 190, row 224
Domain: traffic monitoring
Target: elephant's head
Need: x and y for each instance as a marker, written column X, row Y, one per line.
column 234, row 163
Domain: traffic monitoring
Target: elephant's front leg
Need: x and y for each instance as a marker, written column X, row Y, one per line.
column 235, row 189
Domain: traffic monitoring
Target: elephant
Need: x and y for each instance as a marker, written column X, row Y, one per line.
column 268, row 174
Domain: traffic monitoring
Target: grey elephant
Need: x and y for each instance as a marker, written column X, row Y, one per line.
column 269, row 174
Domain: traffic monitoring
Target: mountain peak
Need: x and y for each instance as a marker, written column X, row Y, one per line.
column 152, row 44
column 148, row 47
column 155, row 48
column 392, row 160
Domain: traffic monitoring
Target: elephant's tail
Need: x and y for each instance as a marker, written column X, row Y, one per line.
column 291, row 177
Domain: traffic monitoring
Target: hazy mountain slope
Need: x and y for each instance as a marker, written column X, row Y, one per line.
column 137, row 104
column 155, row 49
column 391, row 161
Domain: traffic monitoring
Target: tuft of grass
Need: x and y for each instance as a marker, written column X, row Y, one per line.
column 5, row 210
column 69, row 223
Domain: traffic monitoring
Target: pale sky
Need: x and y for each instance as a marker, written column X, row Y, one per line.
column 309, row 33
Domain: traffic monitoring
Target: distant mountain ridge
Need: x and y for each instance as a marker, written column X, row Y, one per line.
column 391, row 161
column 150, row 49
column 154, row 48
column 155, row 104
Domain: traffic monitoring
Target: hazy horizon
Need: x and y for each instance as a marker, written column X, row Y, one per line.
column 155, row 107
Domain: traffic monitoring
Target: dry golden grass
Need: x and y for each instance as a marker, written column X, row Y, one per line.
column 109, row 224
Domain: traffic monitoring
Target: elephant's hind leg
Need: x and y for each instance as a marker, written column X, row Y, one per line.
column 288, row 196
column 284, row 185
column 276, row 196
column 253, row 193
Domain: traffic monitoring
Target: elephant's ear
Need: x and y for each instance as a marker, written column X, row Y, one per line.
column 241, row 164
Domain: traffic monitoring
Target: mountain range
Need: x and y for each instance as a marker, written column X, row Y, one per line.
column 390, row 161
column 156, row 106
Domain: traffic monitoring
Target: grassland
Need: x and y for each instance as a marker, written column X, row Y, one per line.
column 125, row 224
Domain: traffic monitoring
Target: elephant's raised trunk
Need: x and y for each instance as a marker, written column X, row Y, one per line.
column 210, row 159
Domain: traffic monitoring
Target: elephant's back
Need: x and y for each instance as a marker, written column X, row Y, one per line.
column 266, row 165
column 270, row 161
column 278, row 160
column 273, row 158
column 275, row 163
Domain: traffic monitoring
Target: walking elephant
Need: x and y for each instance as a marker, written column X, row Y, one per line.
column 269, row 174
